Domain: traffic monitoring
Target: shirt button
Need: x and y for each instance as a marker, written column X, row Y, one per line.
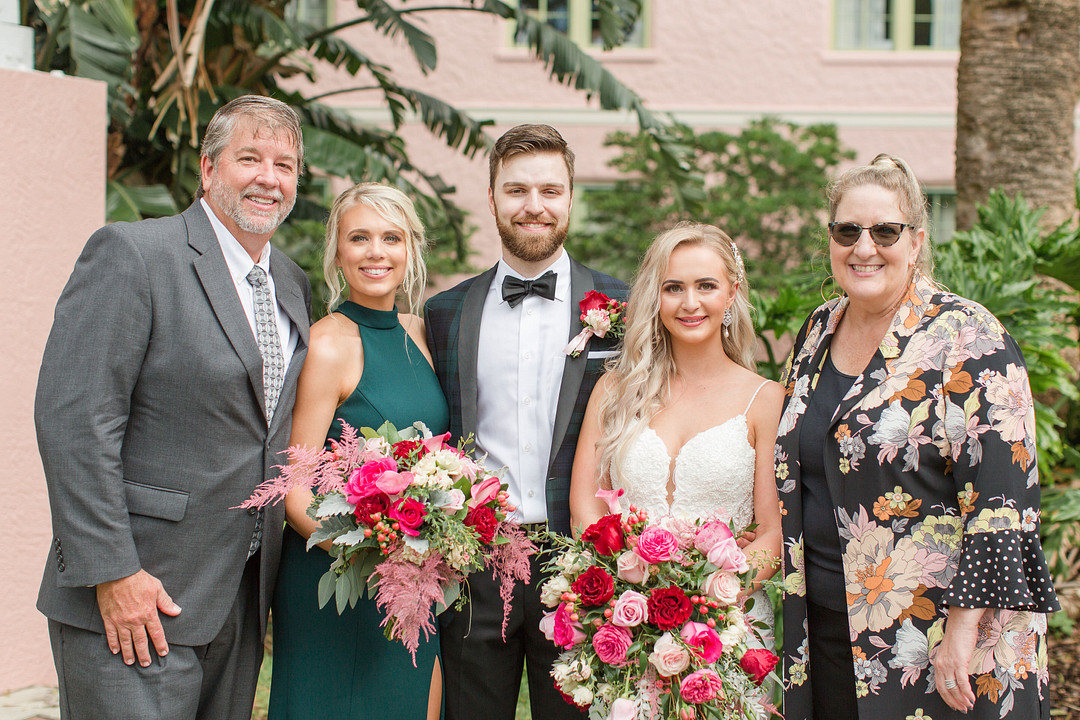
column 526, row 401
column 528, row 447
column 527, row 356
column 529, row 312
column 531, row 493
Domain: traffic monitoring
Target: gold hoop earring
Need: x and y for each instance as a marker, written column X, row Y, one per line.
column 833, row 294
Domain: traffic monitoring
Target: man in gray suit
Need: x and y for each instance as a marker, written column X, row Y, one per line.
column 164, row 398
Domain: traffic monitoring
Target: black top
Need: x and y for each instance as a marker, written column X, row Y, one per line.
column 822, row 553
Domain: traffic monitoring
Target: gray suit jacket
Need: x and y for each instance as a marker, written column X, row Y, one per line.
column 151, row 423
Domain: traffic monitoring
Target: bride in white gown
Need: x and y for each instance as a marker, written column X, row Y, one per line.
column 682, row 423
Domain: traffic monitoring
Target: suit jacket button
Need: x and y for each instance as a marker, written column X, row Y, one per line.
column 60, row 566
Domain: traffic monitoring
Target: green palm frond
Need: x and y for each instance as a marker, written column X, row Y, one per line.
column 393, row 24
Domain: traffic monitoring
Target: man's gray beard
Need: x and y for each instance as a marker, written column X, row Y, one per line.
column 533, row 249
column 256, row 224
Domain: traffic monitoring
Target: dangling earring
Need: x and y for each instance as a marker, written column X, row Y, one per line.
column 341, row 277
column 831, row 295
column 729, row 320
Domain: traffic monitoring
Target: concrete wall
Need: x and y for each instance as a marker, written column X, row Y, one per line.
column 712, row 65
column 52, row 181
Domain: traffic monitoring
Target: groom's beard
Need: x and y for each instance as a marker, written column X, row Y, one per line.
column 531, row 247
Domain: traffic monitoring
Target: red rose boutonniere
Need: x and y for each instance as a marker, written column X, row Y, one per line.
column 600, row 316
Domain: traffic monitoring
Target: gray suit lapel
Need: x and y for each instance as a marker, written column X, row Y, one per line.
column 472, row 309
column 221, row 292
column 581, row 282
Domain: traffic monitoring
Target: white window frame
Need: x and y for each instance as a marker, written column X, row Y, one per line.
column 579, row 22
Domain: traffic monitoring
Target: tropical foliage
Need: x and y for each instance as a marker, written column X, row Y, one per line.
column 170, row 64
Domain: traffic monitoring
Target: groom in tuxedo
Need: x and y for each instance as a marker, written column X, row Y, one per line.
column 497, row 343
column 164, row 397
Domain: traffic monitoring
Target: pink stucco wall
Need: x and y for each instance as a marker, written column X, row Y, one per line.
column 710, row 64
column 53, row 190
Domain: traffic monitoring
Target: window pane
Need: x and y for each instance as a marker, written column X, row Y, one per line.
column 864, row 24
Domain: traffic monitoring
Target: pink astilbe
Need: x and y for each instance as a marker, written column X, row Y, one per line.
column 509, row 562
column 319, row 470
column 407, row 593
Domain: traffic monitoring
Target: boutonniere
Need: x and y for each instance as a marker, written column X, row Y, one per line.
column 600, row 316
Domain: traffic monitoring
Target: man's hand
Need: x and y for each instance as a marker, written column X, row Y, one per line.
column 129, row 606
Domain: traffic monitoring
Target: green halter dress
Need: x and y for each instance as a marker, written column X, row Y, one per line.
column 341, row 667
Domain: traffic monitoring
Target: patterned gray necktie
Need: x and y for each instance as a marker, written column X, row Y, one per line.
column 266, row 334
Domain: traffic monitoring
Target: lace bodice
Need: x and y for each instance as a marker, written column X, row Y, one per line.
column 713, row 471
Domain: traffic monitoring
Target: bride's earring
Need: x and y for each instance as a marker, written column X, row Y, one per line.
column 729, row 320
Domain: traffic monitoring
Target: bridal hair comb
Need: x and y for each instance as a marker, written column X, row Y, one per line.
column 740, row 269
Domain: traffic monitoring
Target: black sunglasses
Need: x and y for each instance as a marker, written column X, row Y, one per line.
column 884, row 234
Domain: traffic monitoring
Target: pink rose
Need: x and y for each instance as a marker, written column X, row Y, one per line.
column 632, row 568
column 484, row 491
column 669, row 657
column 611, row 643
column 705, row 639
column 701, row 686
column 409, row 512
column 722, row 587
column 453, row 501
column 372, row 469
column 657, row 545
column 710, row 535
column 559, row 629
column 623, row 709
column 684, row 530
column 727, row 556
column 393, row 483
column 631, row 609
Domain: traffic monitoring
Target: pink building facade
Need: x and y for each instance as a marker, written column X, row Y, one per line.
column 884, row 73
column 53, row 185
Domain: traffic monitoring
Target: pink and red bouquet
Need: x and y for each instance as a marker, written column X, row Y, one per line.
column 650, row 620
column 408, row 518
column 600, row 316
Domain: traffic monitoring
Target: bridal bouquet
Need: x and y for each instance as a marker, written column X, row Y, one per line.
column 649, row 621
column 408, row 517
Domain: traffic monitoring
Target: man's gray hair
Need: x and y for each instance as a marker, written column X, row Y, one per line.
column 265, row 112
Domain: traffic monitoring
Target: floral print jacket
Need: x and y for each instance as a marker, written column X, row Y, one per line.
column 930, row 462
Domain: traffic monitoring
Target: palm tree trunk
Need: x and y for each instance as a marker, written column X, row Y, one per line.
column 1017, row 86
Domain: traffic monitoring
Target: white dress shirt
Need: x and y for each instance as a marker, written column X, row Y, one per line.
column 519, row 368
column 240, row 264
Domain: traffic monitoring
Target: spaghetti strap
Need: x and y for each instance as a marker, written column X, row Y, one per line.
column 754, row 396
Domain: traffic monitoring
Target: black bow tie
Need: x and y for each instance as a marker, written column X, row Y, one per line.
column 514, row 289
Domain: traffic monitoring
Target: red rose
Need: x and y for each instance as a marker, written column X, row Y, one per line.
column 482, row 519
column 606, row 535
column 368, row 506
column 759, row 663
column 594, row 587
column 669, row 607
column 402, row 450
column 593, row 301
column 409, row 512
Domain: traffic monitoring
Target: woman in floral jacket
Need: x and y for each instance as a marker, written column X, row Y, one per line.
column 915, row 582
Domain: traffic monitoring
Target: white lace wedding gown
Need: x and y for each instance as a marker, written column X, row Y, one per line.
column 714, row 471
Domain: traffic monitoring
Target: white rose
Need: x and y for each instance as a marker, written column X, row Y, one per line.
column 552, row 590
column 582, row 696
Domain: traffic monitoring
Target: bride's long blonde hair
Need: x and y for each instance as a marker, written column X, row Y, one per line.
column 645, row 366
